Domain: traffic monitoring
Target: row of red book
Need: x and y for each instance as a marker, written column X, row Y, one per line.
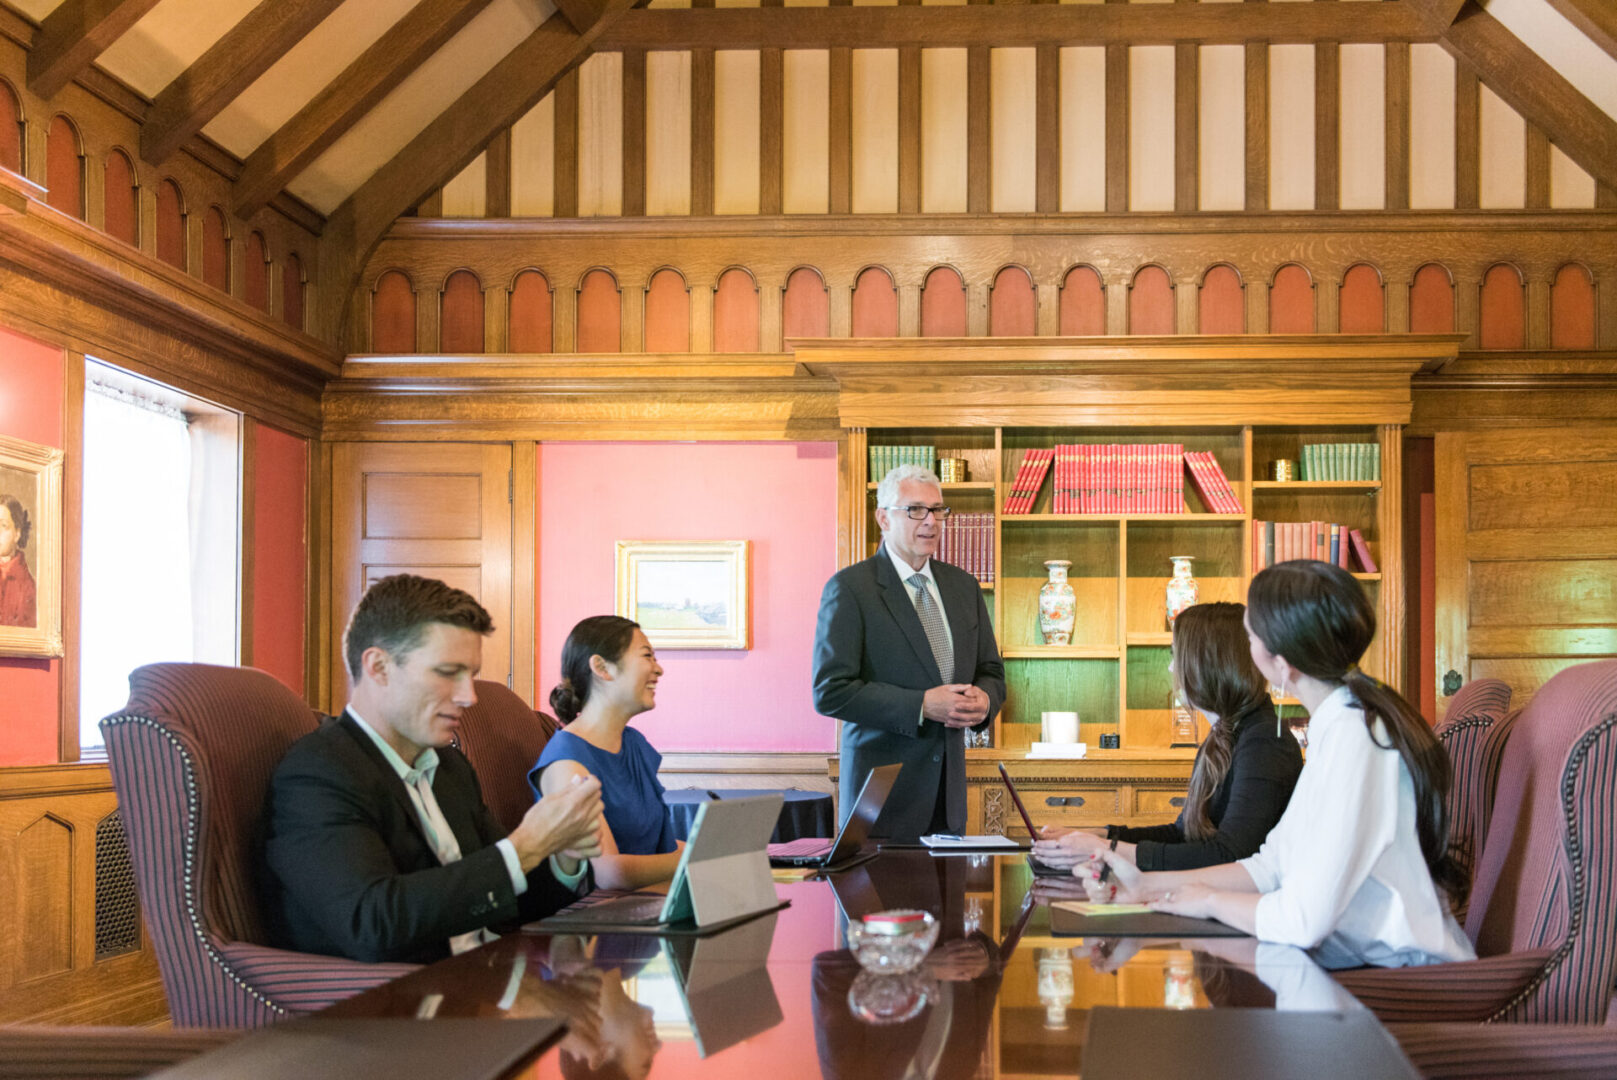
column 968, row 542
column 1281, row 541
column 1131, row 478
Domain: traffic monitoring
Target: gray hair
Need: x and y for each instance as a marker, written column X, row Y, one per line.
column 887, row 490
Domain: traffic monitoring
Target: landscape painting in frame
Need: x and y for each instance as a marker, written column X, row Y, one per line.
column 30, row 549
column 685, row 594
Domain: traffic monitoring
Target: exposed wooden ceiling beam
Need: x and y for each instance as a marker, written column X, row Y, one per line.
column 1013, row 25
column 1536, row 90
column 350, row 96
column 234, row 62
column 73, row 35
column 581, row 13
column 1438, row 13
column 1597, row 18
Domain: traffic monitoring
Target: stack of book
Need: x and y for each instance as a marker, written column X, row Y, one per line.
column 968, row 542
column 1281, row 541
column 1130, row 478
column 1211, row 483
column 1029, row 479
column 1341, row 461
column 884, row 459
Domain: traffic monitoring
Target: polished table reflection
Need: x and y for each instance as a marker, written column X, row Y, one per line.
column 783, row 997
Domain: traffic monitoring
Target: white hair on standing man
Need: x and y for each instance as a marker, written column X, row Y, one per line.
column 887, row 490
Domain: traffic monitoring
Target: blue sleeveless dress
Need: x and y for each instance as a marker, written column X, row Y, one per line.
column 630, row 790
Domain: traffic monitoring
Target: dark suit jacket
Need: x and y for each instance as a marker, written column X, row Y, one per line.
column 872, row 667
column 350, row 872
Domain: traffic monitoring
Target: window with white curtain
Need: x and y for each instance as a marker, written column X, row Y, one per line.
column 159, row 551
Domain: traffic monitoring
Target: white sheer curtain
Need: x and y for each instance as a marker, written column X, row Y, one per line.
column 136, row 602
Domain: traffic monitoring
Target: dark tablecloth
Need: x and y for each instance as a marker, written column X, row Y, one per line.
column 805, row 813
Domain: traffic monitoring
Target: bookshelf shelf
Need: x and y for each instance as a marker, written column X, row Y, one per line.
column 1162, row 637
column 1368, row 577
column 958, row 485
column 1317, row 487
column 1059, row 652
column 1165, row 519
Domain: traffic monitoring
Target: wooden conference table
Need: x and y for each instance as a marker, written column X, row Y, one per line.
column 775, row 999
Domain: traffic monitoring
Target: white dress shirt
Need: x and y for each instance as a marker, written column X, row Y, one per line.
column 1343, row 870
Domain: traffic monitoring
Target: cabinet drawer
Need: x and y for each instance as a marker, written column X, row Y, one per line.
column 1071, row 805
column 1164, row 803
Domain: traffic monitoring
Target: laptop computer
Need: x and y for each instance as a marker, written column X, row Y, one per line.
column 847, row 849
column 722, row 878
column 724, row 984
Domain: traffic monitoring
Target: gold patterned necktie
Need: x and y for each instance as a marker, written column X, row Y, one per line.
column 937, row 634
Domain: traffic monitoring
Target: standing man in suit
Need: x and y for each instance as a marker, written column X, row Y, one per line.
column 904, row 656
column 378, row 844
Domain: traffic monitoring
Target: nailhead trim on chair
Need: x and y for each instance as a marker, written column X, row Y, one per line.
column 194, row 812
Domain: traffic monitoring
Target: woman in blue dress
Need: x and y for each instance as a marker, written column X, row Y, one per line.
column 609, row 676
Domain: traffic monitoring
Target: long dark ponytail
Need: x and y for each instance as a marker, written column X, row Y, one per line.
column 1213, row 668
column 1316, row 616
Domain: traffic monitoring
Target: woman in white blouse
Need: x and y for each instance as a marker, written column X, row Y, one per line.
column 1359, row 866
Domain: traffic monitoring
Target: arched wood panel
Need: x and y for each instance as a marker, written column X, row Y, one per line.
column 120, row 198
column 1151, row 302
column 461, row 316
column 1012, row 307
column 1572, row 309
column 392, row 314
column 1221, row 302
column 806, row 307
column 1362, row 301
column 11, row 141
column 1502, row 317
column 600, row 327
column 171, row 224
column 1083, row 303
column 293, row 291
column 668, row 313
column 532, row 314
column 875, row 304
column 735, row 312
column 1291, row 301
column 64, row 167
column 216, row 249
column 943, row 303
column 255, row 276
column 1431, row 301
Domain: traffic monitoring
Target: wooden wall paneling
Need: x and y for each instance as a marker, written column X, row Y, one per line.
column 979, row 167
column 909, row 130
column 1572, row 309
column 1327, row 305
column 524, row 569
column 72, row 546
column 1605, row 196
column 840, row 151
column 773, row 315
column 1398, row 100
column 565, row 145
column 1187, row 128
column 497, row 176
column 1536, row 305
column 496, row 317
column 1393, row 630
column 1467, row 137
column 702, row 132
column 247, row 515
column 771, row 128
column 1538, row 168
column 432, row 206
column 321, row 683
column 634, row 132
column 909, row 309
column 1117, row 129
column 702, row 334
column 1502, row 321
column 1047, row 195
column 1257, row 127
column 632, row 317
column 1468, row 306
column 427, row 301
column 1327, row 125
column 839, row 299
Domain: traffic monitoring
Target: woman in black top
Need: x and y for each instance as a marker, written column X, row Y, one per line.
column 1244, row 771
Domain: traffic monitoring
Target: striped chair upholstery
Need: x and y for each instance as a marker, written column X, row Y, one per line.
column 1472, row 712
column 1509, row 1051
column 502, row 737
column 191, row 755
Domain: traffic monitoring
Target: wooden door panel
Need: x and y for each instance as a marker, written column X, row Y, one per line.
column 1565, row 495
column 416, row 506
column 469, row 578
column 1561, row 592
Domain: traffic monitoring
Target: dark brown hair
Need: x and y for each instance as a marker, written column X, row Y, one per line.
column 1317, row 617
column 606, row 636
column 1213, row 668
column 396, row 611
column 19, row 518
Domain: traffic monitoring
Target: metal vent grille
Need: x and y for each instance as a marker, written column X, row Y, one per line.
column 117, row 909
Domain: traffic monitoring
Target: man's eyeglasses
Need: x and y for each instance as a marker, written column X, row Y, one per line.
column 919, row 513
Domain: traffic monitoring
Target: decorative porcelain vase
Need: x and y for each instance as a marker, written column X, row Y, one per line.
column 1058, row 608
column 1055, row 986
column 1182, row 588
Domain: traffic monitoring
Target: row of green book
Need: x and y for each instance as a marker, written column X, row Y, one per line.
column 884, row 459
column 1341, row 461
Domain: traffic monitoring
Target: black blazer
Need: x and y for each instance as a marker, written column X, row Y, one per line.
column 873, row 665
column 350, row 872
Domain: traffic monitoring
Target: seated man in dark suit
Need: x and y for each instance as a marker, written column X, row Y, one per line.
column 378, row 844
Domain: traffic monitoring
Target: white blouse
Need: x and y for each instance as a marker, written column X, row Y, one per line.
column 1343, row 870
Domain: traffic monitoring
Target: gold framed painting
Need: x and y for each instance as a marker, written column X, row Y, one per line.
column 30, row 549
column 685, row 594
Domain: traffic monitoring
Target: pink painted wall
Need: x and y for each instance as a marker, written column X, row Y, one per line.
column 780, row 496
column 30, row 408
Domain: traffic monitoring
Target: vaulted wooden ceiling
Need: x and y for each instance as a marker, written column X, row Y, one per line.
column 362, row 107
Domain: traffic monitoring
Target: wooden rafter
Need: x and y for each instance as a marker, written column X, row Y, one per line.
column 580, row 13
column 1438, row 13
column 234, row 62
column 1536, row 90
column 1596, row 18
column 1014, row 25
column 73, row 35
column 350, row 96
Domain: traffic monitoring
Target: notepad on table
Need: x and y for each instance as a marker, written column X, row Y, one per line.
column 1084, row 907
column 942, row 841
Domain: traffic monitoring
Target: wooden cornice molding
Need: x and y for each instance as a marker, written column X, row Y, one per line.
column 230, row 65
column 73, row 35
column 1596, row 18
column 1007, row 25
column 336, row 109
column 1533, row 88
column 17, row 27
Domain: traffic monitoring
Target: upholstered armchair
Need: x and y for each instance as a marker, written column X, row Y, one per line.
column 192, row 754
column 1471, row 716
column 502, row 737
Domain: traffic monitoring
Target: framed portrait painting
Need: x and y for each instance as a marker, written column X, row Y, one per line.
column 30, row 549
column 685, row 594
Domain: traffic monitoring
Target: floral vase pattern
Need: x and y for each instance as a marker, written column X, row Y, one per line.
column 1183, row 591
column 1058, row 607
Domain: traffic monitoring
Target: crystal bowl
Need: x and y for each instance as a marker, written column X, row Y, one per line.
column 892, row 942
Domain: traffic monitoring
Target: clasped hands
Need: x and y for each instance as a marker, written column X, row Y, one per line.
column 955, row 705
column 566, row 823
